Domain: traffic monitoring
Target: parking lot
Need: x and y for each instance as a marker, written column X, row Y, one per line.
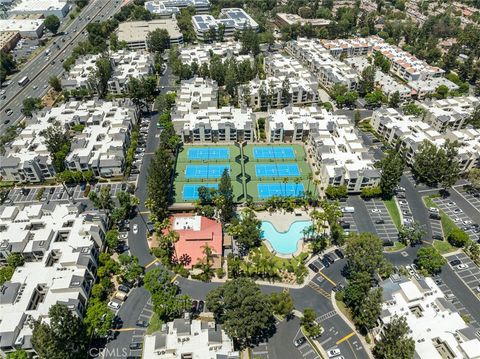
column 470, row 275
column 469, row 196
column 463, row 221
column 380, row 217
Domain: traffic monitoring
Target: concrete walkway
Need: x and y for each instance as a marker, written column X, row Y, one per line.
column 282, row 220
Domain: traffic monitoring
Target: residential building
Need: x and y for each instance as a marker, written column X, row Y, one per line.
column 134, row 33
column 196, row 117
column 281, row 71
column 202, row 53
column 194, row 234
column 231, row 20
column 8, row 40
column 348, row 47
column 59, row 8
column 338, row 152
column 100, row 147
column 167, row 8
column 125, row 64
column 283, row 19
column 409, row 132
column 185, row 338
column 26, row 27
column 328, row 69
column 436, row 327
column 60, row 245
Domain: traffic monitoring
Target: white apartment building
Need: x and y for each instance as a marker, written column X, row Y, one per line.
column 60, row 245
column 338, row 151
column 409, row 132
column 167, row 8
column 197, row 118
column 436, row 326
column 59, row 8
column 135, row 33
column 232, row 19
column 185, row 338
column 303, row 87
column 125, row 64
column 449, row 113
column 101, row 146
column 202, row 53
column 328, row 69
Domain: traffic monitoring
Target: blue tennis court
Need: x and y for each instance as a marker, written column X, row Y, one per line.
column 208, row 153
column 273, row 152
column 190, row 191
column 267, row 190
column 277, row 170
column 205, row 171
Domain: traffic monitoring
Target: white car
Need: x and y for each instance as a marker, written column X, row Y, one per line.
column 376, row 210
column 451, row 204
column 113, row 305
column 135, row 228
column 333, row 353
column 462, row 266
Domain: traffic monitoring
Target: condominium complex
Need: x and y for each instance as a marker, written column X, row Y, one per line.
column 125, row 64
column 337, row 149
column 436, row 327
column 185, row 338
column 135, row 33
column 197, row 118
column 167, row 8
column 202, row 53
column 283, row 19
column 60, row 246
column 231, row 20
column 100, row 147
column 283, row 75
column 328, row 69
column 409, row 132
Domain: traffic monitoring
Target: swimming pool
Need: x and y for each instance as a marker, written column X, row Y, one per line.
column 284, row 242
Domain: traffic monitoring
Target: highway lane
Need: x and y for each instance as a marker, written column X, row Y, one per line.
column 41, row 68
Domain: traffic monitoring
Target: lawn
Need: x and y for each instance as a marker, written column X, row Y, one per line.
column 280, row 261
column 155, row 324
column 393, row 211
column 447, row 224
column 396, row 247
column 443, row 247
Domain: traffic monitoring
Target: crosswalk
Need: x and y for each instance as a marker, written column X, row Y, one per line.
column 319, row 290
column 326, row 316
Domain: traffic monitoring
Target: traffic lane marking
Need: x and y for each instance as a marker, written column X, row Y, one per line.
column 327, row 278
column 346, row 337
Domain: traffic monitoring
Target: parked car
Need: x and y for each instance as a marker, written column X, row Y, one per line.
column 135, row 228
column 194, row 306
column 329, row 258
column 376, row 210
column 201, row 306
column 313, row 267
column 339, row 253
column 455, row 262
column 333, row 353
column 462, row 266
column 123, row 288
column 325, row 262
column 113, row 305
column 135, row 346
column 379, row 221
column 141, row 323
column 300, row 341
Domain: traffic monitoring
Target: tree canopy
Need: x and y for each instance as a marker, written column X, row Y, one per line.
column 52, row 23
column 429, row 259
column 394, row 342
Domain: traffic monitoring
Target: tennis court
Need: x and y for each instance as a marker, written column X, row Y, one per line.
column 277, row 170
column 267, row 190
column 205, row 171
column 190, row 191
column 273, row 152
column 208, row 153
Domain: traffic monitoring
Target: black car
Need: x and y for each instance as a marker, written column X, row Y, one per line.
column 313, row 267
column 123, row 288
column 329, row 258
column 338, row 288
column 379, row 221
column 117, row 322
column 339, row 253
column 51, row 190
column 299, row 341
column 344, row 225
column 201, row 306
column 141, row 323
column 325, row 262
column 438, row 237
column 455, row 262
column 135, row 346
column 25, row 191
column 194, row 306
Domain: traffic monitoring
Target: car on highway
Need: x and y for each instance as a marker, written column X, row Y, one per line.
column 300, row 341
column 135, row 228
column 6, row 122
column 333, row 352
column 462, row 266
column 8, row 111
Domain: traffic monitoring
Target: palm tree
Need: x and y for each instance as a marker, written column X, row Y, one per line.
column 310, row 177
column 316, row 183
column 297, row 182
column 285, row 181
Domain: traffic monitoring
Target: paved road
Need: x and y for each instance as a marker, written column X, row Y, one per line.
column 39, row 70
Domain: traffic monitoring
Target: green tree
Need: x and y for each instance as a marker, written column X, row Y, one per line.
column 54, row 81
column 441, row 92
column 369, row 310
column 102, row 75
column 158, row 40
column 15, row 260
column 357, row 117
column 474, row 177
column 30, row 105
column 430, row 260
column 52, row 23
column 282, row 303
column 17, row 354
column 250, row 42
column 394, row 342
column 98, row 318
column 7, row 65
column 412, row 234
column 232, row 301
column 411, row 109
column 309, row 323
column 394, row 99
column 63, row 337
column 474, row 118
column 392, row 167
column 367, row 81
column 111, row 238
column 158, row 182
column 336, row 192
column 458, row 238
column 246, row 230
column 58, row 144
column 224, row 199
column 103, row 199
column 286, row 92
column 6, row 273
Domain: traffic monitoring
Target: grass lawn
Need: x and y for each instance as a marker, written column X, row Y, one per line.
column 393, row 211
column 280, row 261
column 155, row 324
column 447, row 224
column 396, row 247
column 344, row 309
column 443, row 247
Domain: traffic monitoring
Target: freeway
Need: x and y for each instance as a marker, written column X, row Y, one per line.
column 42, row 67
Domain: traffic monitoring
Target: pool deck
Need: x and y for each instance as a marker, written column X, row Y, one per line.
column 283, row 220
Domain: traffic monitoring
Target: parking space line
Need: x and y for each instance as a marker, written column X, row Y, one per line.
column 327, row 278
